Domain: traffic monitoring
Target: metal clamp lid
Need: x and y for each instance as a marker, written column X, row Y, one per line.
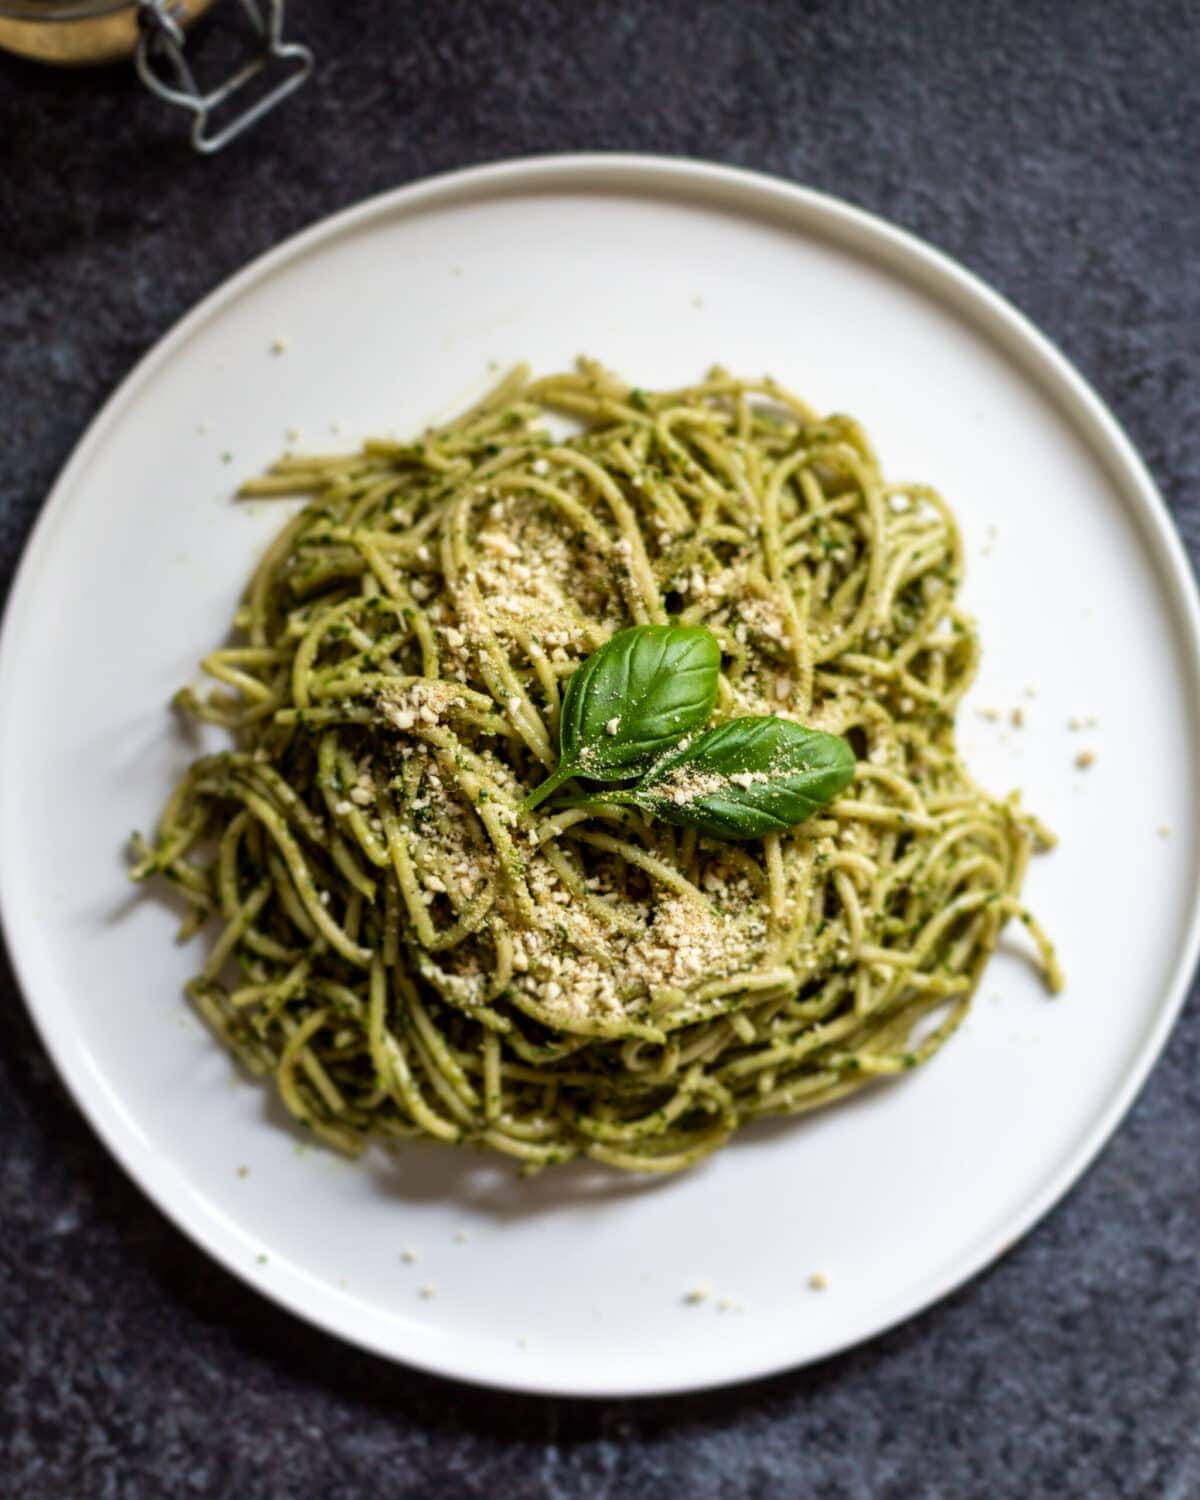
column 160, row 52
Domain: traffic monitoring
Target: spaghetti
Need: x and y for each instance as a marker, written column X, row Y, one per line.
column 408, row 952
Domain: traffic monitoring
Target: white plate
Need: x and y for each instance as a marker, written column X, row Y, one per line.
column 391, row 313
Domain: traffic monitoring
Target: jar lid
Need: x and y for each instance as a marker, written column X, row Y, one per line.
column 78, row 33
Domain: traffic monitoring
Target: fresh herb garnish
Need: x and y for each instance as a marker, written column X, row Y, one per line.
column 745, row 779
column 637, row 696
column 631, row 709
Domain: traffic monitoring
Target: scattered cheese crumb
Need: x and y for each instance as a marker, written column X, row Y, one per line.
column 427, row 1291
column 278, row 346
column 613, row 724
column 243, row 1171
column 460, row 1237
column 699, row 1293
column 1074, row 724
column 1085, row 758
column 1164, row 831
column 514, row 705
column 408, row 1256
column 292, row 434
column 992, row 715
column 1018, row 717
column 541, row 466
column 818, row 1281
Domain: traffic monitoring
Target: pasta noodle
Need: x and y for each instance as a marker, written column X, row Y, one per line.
column 408, row 952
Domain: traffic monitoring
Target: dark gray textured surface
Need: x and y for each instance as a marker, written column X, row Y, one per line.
column 1052, row 146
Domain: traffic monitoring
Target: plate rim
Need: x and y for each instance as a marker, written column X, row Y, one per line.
column 802, row 209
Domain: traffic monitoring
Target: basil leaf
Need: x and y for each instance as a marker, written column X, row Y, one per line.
column 637, row 696
column 745, row 779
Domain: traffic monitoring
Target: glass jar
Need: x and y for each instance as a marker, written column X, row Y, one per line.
column 152, row 33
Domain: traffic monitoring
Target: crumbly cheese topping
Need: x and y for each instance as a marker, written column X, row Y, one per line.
column 592, row 938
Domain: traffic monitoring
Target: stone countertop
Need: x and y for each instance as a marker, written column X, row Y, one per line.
column 1051, row 147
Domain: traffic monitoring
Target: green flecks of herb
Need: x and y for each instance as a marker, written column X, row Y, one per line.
column 637, row 399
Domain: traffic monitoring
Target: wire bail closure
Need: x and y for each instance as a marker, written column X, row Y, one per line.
column 165, row 71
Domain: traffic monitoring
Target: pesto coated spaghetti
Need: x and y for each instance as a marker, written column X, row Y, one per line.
column 408, row 951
